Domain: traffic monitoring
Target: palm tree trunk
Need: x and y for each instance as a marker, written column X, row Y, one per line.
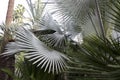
column 9, row 16
column 9, row 61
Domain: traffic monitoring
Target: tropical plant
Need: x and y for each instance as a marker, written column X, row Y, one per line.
column 49, row 60
column 5, row 40
column 52, row 64
column 18, row 14
column 35, row 12
column 99, row 53
column 96, row 59
column 102, row 54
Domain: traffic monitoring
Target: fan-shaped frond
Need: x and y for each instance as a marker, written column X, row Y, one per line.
column 55, row 40
column 25, row 70
column 46, row 58
column 67, row 10
column 49, row 23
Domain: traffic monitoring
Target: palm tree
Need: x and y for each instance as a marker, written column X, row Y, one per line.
column 98, row 56
column 9, row 16
column 10, row 61
column 45, row 59
column 97, row 53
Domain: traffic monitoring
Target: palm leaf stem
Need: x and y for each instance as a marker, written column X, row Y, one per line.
column 100, row 19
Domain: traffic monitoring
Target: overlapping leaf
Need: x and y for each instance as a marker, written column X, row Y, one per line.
column 44, row 57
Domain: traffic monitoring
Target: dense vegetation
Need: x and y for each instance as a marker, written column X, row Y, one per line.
column 48, row 50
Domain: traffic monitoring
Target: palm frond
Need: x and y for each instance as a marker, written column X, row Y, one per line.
column 114, row 13
column 43, row 32
column 44, row 57
column 35, row 9
column 98, row 42
column 55, row 40
column 98, row 54
column 70, row 10
column 35, row 12
column 26, row 71
column 79, row 12
column 49, row 23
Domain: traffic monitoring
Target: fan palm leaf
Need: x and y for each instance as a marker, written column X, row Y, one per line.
column 44, row 57
column 58, row 37
column 26, row 71
column 70, row 14
column 70, row 9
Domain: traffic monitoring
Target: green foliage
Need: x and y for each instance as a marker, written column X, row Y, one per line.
column 38, row 53
column 96, row 59
column 18, row 13
column 114, row 13
column 98, row 55
column 35, row 12
column 8, row 71
column 25, row 70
